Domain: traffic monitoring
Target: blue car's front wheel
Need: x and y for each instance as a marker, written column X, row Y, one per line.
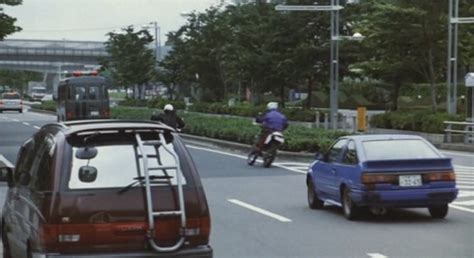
column 313, row 200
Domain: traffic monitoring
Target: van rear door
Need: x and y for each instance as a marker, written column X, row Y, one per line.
column 105, row 211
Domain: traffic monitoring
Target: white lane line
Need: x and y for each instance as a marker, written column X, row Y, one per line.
column 457, row 153
column 16, row 120
column 461, row 208
column 465, row 194
column 461, row 182
column 37, row 127
column 4, row 117
column 26, row 123
column 461, row 166
column 376, row 255
column 464, row 186
column 467, row 203
column 259, row 210
column 5, row 161
column 242, row 157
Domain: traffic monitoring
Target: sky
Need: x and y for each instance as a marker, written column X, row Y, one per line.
column 90, row 20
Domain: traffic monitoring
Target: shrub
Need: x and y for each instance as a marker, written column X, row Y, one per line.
column 46, row 105
column 420, row 121
column 238, row 129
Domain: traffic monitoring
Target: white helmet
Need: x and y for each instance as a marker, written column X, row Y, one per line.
column 168, row 107
column 272, row 105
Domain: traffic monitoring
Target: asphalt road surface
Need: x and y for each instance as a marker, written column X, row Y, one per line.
column 258, row 212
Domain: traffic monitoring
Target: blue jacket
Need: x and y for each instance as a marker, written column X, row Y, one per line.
column 274, row 120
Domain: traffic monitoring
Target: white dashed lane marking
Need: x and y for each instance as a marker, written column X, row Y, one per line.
column 26, row 123
column 259, row 210
column 37, row 127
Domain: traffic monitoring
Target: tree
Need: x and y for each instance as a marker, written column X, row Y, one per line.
column 18, row 80
column 7, row 23
column 131, row 63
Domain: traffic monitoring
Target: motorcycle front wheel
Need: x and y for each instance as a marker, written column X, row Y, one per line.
column 251, row 158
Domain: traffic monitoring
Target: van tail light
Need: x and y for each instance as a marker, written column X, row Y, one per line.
column 198, row 230
column 439, row 176
column 1, row 102
column 375, row 178
column 106, row 113
column 48, row 236
column 69, row 115
column 21, row 102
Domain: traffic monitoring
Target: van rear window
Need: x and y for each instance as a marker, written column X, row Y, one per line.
column 117, row 166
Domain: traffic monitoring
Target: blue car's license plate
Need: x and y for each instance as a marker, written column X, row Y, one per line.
column 410, row 180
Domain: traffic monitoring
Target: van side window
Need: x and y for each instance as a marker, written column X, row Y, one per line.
column 25, row 162
column 42, row 174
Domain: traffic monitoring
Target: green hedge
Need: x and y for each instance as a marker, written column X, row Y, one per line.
column 421, row 121
column 46, row 105
column 152, row 103
column 239, row 129
column 247, row 110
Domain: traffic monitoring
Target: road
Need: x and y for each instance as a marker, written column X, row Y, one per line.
column 259, row 212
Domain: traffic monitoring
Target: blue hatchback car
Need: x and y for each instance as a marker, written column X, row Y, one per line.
column 382, row 171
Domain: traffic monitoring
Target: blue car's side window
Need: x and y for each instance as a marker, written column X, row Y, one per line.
column 336, row 150
column 350, row 157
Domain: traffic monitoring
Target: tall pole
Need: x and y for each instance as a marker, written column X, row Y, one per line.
column 334, row 73
column 157, row 53
column 452, row 57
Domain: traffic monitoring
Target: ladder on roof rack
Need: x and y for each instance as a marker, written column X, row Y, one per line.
column 151, row 213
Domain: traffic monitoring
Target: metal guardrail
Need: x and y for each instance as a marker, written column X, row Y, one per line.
column 467, row 131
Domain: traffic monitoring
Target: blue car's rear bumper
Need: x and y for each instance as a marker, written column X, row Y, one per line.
column 404, row 198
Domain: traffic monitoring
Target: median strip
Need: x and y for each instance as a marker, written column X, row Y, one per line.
column 259, row 210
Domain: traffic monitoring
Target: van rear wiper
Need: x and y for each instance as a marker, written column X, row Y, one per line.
column 140, row 179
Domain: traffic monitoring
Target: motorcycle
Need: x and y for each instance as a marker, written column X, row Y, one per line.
column 268, row 152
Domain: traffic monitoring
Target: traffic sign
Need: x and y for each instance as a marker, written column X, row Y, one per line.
column 308, row 7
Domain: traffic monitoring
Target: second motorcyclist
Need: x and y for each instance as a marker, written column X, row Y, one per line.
column 169, row 117
column 272, row 120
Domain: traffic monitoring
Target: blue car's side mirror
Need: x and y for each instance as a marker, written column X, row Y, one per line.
column 319, row 156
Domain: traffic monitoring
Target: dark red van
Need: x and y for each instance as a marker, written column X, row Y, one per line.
column 105, row 188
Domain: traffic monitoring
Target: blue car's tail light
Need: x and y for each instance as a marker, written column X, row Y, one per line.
column 439, row 176
column 376, row 178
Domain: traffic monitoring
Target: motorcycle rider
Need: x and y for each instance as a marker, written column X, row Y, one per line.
column 272, row 120
column 169, row 118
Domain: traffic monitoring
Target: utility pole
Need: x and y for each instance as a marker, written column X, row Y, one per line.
column 452, row 71
column 334, row 8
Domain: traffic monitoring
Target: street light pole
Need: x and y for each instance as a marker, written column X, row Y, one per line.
column 334, row 61
column 334, row 74
column 452, row 71
column 157, row 31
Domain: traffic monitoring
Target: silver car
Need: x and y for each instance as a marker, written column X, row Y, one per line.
column 11, row 101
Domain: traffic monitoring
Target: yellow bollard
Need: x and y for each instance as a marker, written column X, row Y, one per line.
column 362, row 119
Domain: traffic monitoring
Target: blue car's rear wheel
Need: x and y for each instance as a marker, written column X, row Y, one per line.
column 313, row 200
column 350, row 209
column 439, row 211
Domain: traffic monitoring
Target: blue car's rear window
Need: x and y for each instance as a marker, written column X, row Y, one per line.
column 398, row 149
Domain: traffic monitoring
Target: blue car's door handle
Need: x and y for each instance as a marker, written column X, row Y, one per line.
column 333, row 171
